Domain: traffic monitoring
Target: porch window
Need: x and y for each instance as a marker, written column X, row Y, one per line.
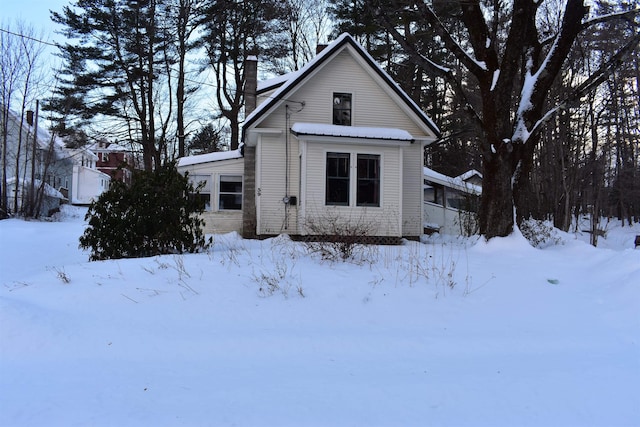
column 203, row 183
column 368, row 189
column 337, row 186
column 230, row 194
column 342, row 109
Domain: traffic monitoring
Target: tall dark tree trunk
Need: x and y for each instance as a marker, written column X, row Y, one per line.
column 513, row 63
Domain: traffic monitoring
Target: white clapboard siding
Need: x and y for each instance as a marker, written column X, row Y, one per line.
column 412, row 190
column 217, row 221
column 374, row 104
column 381, row 221
column 274, row 216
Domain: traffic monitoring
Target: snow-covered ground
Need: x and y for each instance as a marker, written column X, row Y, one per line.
column 451, row 332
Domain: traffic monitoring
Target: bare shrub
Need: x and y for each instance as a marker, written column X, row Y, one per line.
column 336, row 238
column 277, row 280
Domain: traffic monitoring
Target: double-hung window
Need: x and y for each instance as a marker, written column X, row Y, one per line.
column 368, row 188
column 342, row 109
column 230, row 193
column 340, row 181
column 203, row 184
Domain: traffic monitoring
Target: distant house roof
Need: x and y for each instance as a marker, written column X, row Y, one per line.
column 288, row 81
column 110, row 146
column 49, row 191
column 470, row 174
column 77, row 154
column 209, row 157
column 448, row 181
column 44, row 138
column 350, row 131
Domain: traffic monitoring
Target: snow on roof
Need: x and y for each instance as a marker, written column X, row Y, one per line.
column 43, row 136
column 455, row 183
column 113, row 147
column 49, row 191
column 77, row 154
column 292, row 78
column 350, row 131
column 209, row 157
column 265, row 85
column 468, row 174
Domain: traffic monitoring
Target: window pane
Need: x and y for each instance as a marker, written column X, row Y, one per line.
column 203, row 184
column 230, row 193
column 203, row 200
column 368, row 180
column 230, row 202
column 342, row 109
column 204, row 180
column 337, row 191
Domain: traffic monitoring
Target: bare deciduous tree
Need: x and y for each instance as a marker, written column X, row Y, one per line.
column 514, row 63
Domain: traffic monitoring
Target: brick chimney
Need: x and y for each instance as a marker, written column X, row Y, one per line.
column 249, row 214
column 250, row 84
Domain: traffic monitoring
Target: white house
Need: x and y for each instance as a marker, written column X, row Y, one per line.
column 87, row 182
column 60, row 174
column 336, row 142
column 30, row 172
column 450, row 204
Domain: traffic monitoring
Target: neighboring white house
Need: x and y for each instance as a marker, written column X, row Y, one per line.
column 336, row 141
column 32, row 160
column 471, row 177
column 450, row 204
column 61, row 175
column 87, row 182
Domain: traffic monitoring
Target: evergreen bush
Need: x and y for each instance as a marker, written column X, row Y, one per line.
column 540, row 233
column 154, row 215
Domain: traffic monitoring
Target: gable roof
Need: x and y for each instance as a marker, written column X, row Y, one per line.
column 285, row 84
column 470, row 174
column 43, row 138
column 456, row 183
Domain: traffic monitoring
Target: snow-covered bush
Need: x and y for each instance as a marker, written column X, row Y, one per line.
column 540, row 233
column 154, row 215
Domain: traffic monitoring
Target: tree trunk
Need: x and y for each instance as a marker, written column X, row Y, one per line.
column 496, row 204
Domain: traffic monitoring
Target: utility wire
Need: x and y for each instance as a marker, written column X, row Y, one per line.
column 28, row 37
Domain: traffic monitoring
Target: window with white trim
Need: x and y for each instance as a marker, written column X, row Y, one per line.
column 203, row 184
column 230, row 193
column 342, row 109
column 340, row 183
column 368, row 189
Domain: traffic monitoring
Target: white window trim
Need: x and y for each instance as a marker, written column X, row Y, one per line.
column 353, row 178
column 353, row 104
column 195, row 183
column 218, row 193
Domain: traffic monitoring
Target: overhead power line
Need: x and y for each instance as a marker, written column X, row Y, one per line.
column 28, row 37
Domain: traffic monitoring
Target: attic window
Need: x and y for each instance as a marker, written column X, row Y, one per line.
column 342, row 109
